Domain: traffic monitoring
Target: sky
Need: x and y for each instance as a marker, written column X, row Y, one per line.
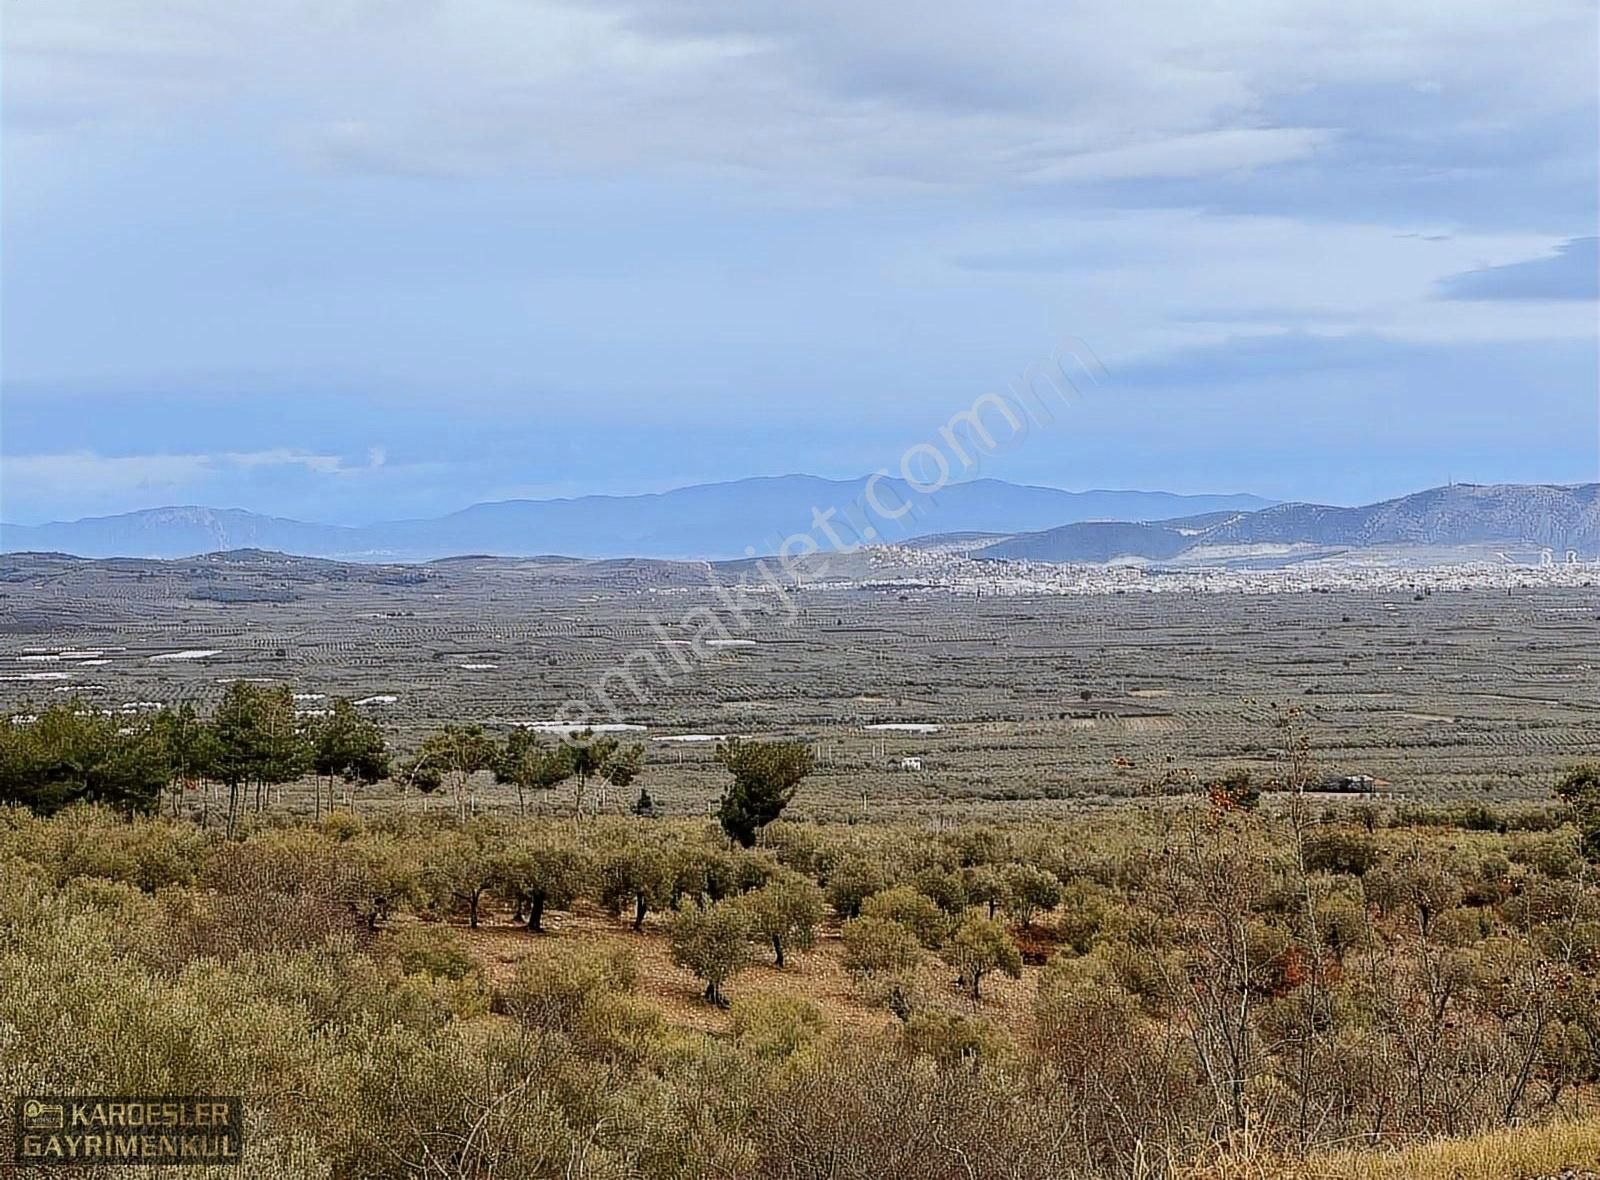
column 354, row 260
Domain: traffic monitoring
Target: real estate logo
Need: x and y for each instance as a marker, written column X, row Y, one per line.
column 74, row 1130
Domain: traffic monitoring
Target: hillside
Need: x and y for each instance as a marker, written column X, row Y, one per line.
column 1544, row 516
column 984, row 518
column 704, row 521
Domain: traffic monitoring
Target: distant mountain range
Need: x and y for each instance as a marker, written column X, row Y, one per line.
column 983, row 518
column 1542, row 516
column 704, row 521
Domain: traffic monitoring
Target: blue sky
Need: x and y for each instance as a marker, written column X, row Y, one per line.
column 363, row 259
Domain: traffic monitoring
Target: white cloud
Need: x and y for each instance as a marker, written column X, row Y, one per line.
column 337, row 200
column 283, row 457
column 1202, row 153
column 283, row 481
column 814, row 95
column 85, row 475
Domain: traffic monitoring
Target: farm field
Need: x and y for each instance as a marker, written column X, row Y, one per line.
column 1017, row 707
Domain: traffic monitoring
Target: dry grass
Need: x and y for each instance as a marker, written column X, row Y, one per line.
column 1568, row 1151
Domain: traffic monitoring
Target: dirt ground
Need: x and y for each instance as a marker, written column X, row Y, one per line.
column 817, row 975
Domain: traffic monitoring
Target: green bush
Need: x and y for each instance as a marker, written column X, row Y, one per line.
column 298, row 965
column 1088, row 914
column 428, row 950
column 775, row 1026
column 952, row 1040
column 1339, row 850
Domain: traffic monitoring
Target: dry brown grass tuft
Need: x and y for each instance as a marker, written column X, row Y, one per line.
column 1560, row 1151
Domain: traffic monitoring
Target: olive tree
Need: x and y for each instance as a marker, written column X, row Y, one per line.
column 714, row 943
column 944, row 888
column 986, row 886
column 1030, row 890
column 916, row 912
column 378, row 875
column 851, row 881
column 541, row 873
column 639, row 875
column 700, row 873
column 877, row 946
column 979, row 947
column 459, row 868
column 784, row 912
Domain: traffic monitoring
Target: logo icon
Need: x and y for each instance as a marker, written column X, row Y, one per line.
column 43, row 1116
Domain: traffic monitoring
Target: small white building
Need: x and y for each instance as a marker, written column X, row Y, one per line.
column 911, row 764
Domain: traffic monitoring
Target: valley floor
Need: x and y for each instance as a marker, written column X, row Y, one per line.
column 1032, row 706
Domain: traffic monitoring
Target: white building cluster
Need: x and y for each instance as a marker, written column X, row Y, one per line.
column 956, row 574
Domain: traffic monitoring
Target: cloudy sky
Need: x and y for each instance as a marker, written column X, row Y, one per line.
column 357, row 259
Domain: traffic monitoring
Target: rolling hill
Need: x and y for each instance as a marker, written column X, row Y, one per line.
column 1544, row 516
column 704, row 521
